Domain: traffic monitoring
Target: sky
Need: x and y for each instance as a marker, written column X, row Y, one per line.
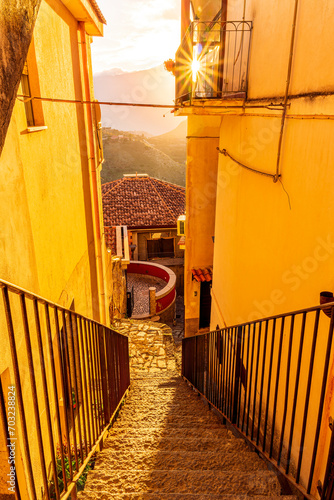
column 140, row 34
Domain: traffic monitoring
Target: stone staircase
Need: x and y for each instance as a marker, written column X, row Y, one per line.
column 167, row 444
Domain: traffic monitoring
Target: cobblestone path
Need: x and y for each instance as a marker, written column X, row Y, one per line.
column 141, row 285
column 167, row 444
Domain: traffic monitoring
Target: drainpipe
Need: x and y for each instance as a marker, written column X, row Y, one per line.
column 92, row 164
column 223, row 19
column 185, row 17
column 287, row 87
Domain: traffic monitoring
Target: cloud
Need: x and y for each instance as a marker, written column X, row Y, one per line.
column 139, row 34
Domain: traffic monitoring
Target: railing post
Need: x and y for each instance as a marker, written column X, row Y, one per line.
column 326, row 490
column 206, row 357
column 238, row 362
column 153, row 300
column 105, row 394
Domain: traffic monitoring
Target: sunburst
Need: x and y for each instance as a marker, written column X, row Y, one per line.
column 198, row 62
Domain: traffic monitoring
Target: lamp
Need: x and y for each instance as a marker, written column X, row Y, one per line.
column 326, row 297
column 133, row 247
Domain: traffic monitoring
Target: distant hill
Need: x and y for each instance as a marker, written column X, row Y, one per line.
column 151, row 86
column 128, row 153
column 173, row 143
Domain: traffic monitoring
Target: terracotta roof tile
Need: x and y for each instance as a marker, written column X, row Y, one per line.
column 98, row 12
column 142, row 202
column 202, row 274
column 110, row 238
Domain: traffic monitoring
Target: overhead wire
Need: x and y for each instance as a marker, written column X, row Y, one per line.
column 25, row 98
column 226, row 153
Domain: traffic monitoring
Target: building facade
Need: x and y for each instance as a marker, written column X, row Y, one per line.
column 51, row 220
column 149, row 208
column 52, row 240
column 255, row 81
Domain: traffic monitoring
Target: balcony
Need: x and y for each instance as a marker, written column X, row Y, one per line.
column 212, row 61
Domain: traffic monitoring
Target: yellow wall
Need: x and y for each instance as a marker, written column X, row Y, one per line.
column 274, row 259
column 47, row 240
column 50, row 208
column 202, row 160
column 205, row 11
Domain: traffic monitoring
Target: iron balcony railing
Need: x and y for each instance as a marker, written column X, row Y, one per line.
column 270, row 379
column 212, row 61
column 66, row 377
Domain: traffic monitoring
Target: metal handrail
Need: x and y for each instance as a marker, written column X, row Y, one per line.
column 269, row 378
column 223, row 52
column 72, row 373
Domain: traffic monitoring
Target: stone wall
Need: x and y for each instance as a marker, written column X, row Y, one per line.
column 151, row 346
column 116, row 284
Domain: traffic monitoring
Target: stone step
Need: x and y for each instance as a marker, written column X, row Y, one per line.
column 161, row 394
column 196, row 423
column 158, row 432
column 191, row 405
column 163, row 397
column 217, row 460
column 185, row 496
column 172, row 377
column 180, row 443
column 167, row 415
column 162, row 383
column 108, row 483
column 149, row 388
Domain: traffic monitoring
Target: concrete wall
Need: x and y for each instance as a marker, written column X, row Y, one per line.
column 202, row 162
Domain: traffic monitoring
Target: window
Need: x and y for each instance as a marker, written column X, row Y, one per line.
column 30, row 87
column 98, row 128
column 27, row 93
column 163, row 247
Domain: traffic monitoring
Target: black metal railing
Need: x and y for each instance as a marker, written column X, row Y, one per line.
column 270, row 379
column 67, row 376
column 212, row 61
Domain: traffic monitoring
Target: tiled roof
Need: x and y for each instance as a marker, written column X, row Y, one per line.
column 202, row 274
column 98, row 11
column 142, row 202
column 110, row 237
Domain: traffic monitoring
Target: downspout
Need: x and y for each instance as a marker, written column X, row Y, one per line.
column 223, row 19
column 92, row 165
column 287, row 88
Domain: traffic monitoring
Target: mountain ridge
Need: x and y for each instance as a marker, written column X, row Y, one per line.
column 128, row 153
column 150, row 86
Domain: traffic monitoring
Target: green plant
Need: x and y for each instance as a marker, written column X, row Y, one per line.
column 69, row 457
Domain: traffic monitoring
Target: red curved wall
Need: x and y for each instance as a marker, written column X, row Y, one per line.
column 143, row 268
column 166, row 301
